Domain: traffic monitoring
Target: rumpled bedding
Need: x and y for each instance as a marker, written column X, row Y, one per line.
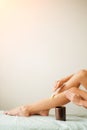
column 73, row 122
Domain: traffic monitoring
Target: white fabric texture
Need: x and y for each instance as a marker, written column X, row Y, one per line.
column 72, row 122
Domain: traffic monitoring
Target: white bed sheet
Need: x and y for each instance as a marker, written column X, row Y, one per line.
column 72, row 122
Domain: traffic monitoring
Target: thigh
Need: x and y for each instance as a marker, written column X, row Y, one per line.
column 83, row 78
column 78, row 79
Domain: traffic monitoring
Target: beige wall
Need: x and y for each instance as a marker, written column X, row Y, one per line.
column 40, row 41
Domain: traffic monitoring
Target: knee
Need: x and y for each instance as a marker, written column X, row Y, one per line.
column 82, row 73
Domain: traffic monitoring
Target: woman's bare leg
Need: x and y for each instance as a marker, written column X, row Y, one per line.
column 42, row 105
column 80, row 78
column 75, row 81
column 83, row 79
column 59, row 99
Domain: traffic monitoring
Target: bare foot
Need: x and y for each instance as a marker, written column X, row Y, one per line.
column 73, row 97
column 19, row 111
column 24, row 111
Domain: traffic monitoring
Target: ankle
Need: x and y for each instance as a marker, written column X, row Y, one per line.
column 29, row 109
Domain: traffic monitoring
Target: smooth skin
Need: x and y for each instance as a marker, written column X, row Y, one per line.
column 69, row 92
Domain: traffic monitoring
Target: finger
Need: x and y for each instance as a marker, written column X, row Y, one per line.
column 54, row 89
column 59, row 84
column 69, row 92
column 56, row 86
column 69, row 95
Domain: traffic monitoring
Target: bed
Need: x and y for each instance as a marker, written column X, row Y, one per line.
column 72, row 122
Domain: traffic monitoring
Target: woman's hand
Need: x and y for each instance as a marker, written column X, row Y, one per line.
column 60, row 83
column 75, row 98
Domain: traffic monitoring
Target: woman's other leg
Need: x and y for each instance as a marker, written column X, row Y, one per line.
column 80, row 78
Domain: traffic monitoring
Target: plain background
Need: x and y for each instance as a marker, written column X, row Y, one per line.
column 41, row 41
